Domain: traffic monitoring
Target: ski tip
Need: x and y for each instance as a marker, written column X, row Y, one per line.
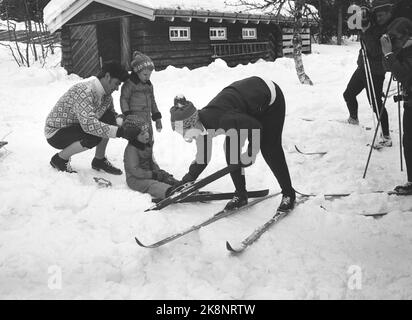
column 231, row 249
column 139, row 243
column 375, row 215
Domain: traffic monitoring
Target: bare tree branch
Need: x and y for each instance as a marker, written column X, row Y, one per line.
column 298, row 9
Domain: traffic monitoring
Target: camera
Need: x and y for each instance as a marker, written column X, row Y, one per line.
column 399, row 98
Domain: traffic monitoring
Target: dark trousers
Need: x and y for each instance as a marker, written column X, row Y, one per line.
column 271, row 147
column 407, row 138
column 69, row 135
column 355, row 86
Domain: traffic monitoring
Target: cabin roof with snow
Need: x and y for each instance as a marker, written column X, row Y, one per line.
column 59, row 12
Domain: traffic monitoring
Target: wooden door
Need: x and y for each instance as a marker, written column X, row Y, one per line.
column 85, row 53
column 275, row 43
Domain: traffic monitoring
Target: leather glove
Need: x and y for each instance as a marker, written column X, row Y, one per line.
column 187, row 178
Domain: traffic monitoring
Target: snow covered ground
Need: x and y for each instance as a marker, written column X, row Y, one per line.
column 56, row 226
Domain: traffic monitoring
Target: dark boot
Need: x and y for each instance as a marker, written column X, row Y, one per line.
column 405, row 189
column 239, row 200
column 61, row 164
column 287, row 203
column 105, row 165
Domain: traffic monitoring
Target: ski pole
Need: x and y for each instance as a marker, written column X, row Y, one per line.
column 372, row 88
column 7, row 135
column 400, row 128
column 377, row 127
column 368, row 79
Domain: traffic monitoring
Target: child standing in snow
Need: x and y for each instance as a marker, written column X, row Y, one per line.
column 142, row 172
column 137, row 96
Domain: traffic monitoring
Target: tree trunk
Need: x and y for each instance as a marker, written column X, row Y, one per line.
column 297, row 44
column 321, row 39
column 340, row 12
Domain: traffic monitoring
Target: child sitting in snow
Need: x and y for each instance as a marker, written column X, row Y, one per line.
column 137, row 96
column 142, row 172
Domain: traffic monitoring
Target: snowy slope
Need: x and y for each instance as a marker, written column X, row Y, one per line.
column 49, row 219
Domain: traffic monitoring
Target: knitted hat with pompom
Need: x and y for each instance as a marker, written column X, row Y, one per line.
column 183, row 115
column 142, row 62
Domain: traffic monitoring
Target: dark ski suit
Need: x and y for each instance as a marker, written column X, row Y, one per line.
column 358, row 80
column 246, row 104
column 400, row 64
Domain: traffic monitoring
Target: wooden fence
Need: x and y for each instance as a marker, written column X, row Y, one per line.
column 36, row 37
column 287, row 41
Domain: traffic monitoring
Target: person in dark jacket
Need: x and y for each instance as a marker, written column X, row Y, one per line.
column 397, row 49
column 373, row 30
column 253, row 109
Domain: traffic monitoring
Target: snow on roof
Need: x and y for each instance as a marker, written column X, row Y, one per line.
column 59, row 12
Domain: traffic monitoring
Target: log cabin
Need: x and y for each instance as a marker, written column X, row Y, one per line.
column 190, row 35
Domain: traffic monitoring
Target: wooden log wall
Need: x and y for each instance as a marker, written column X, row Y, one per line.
column 152, row 38
column 67, row 57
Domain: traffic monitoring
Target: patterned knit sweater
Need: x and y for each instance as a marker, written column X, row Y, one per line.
column 83, row 104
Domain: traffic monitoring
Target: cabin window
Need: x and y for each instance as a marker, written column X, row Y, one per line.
column 218, row 33
column 249, row 33
column 179, row 33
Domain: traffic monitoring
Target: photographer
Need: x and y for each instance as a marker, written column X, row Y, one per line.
column 374, row 22
column 397, row 50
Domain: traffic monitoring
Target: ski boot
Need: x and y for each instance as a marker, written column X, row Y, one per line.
column 61, row 164
column 404, row 190
column 287, row 203
column 353, row 121
column 105, row 165
column 239, row 200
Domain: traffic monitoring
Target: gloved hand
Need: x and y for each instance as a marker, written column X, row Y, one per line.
column 159, row 125
column 160, row 175
column 187, row 178
column 128, row 133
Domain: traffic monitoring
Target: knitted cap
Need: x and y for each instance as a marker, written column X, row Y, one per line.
column 133, row 121
column 183, row 115
column 142, row 62
column 381, row 5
